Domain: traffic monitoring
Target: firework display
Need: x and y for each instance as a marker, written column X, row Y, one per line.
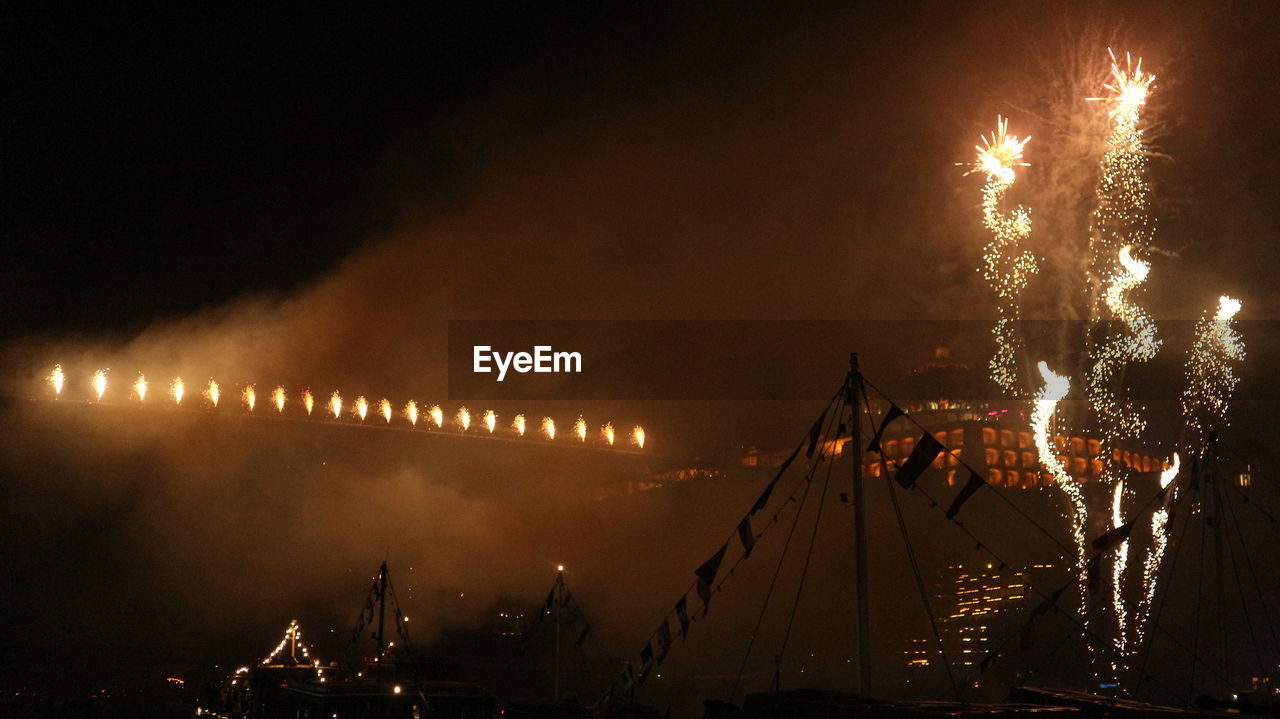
column 1121, row 334
column 1006, row 265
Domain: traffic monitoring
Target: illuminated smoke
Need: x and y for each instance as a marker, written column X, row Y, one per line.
column 57, row 379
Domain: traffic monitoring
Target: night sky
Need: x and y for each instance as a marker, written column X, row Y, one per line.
column 309, row 197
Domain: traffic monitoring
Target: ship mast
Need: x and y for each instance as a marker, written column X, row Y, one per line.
column 853, row 392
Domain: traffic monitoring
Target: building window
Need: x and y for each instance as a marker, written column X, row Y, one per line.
column 1095, row 468
column 951, row 478
column 1028, row 460
column 957, row 438
column 1024, row 440
column 1010, row 458
column 992, row 456
column 993, row 476
column 1011, row 479
column 1245, row 479
column 1006, row 438
column 1095, row 448
column 1077, row 445
column 988, row 435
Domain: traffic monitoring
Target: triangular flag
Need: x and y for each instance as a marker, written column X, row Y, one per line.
column 1114, row 538
column 682, row 613
column 664, row 640
column 583, row 636
column 747, row 537
column 707, row 576
column 815, row 433
column 927, row 449
column 972, row 485
column 893, row 413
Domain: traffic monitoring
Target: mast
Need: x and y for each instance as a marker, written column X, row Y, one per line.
column 862, row 680
column 382, row 613
column 555, row 687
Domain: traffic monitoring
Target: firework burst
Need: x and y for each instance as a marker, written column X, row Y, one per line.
column 99, row 383
column 1007, row 266
column 549, row 427
column 361, row 408
column 464, row 418
column 213, row 393
column 580, row 429
column 250, row 397
column 437, row 416
column 384, row 409
column 335, row 405
column 308, row 401
column 637, row 436
column 56, row 380
column 490, row 420
column 177, row 389
column 1055, row 389
column 607, row 433
column 140, row 386
column 411, row 413
column 519, row 424
column 1210, row 373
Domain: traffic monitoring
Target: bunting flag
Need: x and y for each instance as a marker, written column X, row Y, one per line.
column 970, row 487
column 682, row 613
column 747, row 537
column 927, row 449
column 664, row 640
column 646, row 659
column 893, row 413
column 567, row 599
column 815, row 433
column 782, row 469
column 1027, row 638
column 583, row 636
column 1114, row 538
column 707, row 576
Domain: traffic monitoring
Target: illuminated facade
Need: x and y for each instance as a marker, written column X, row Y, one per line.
column 973, row 602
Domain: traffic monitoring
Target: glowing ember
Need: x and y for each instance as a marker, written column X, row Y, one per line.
column 637, row 436
column 464, row 418
column 57, row 379
column 411, row 413
column 518, row 424
column 549, row 427
column 213, row 393
column 250, row 397
column 1000, row 153
column 608, row 433
column 490, row 420
column 437, row 416
column 384, row 409
column 1155, row 554
column 140, row 387
column 278, row 396
column 308, row 401
column 335, row 405
column 99, row 382
column 362, row 407
column 177, row 389
column 580, row 429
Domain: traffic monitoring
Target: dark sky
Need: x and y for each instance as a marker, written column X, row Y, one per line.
column 308, row 198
